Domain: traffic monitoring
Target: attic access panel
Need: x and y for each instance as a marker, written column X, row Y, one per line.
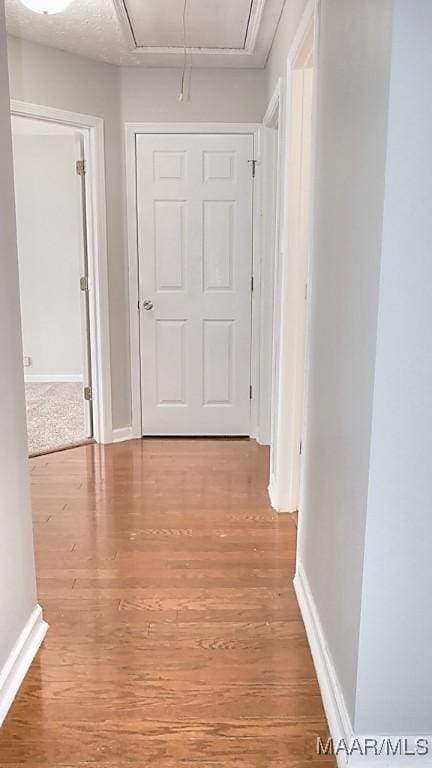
column 211, row 24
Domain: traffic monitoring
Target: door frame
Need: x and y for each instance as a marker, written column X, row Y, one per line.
column 131, row 132
column 93, row 133
column 286, row 483
column 273, row 180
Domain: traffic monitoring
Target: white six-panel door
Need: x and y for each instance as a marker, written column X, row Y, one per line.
column 194, row 206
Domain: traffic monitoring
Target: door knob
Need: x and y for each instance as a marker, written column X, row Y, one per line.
column 147, row 304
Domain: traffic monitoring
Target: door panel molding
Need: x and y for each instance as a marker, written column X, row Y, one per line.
column 196, row 231
column 213, row 168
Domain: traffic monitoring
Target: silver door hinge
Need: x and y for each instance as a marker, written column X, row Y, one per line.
column 252, row 284
column 80, row 167
column 250, row 392
column 253, row 165
column 88, row 393
column 84, row 283
column 306, row 291
column 301, row 447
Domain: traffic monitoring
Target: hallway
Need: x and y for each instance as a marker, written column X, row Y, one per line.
column 175, row 638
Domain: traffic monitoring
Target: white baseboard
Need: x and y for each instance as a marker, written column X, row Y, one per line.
column 51, row 378
column 20, row 658
column 272, row 492
column 334, row 703
column 119, row 435
column 262, row 437
column 338, row 718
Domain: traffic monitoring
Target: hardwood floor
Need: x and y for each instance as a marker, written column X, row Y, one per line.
column 175, row 638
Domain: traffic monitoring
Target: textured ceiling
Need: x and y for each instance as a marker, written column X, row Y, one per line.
column 88, row 27
column 99, row 29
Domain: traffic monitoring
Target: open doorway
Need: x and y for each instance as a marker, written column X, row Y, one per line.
column 290, row 326
column 51, row 213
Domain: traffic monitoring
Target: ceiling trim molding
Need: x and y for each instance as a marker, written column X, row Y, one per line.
column 248, row 49
column 254, row 25
column 125, row 24
column 110, row 33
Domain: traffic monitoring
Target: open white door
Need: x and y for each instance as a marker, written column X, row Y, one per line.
column 194, row 200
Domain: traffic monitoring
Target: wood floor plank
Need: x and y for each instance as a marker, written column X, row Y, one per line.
column 175, row 637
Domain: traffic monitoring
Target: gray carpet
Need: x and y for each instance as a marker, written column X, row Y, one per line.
column 55, row 415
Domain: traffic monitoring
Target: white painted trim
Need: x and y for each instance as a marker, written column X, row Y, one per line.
column 315, row 96
column 338, row 718
column 260, row 32
column 120, row 435
column 310, row 14
column 20, row 658
column 133, row 275
column 273, row 107
column 131, row 131
column 255, row 21
column 52, row 114
column 257, row 205
column 249, row 45
column 273, row 494
column 51, row 378
column 234, row 128
column 125, row 25
column 94, row 142
column 284, row 440
column 334, row 703
column 272, row 491
column 273, row 134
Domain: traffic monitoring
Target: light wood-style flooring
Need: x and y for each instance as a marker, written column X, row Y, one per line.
column 175, row 639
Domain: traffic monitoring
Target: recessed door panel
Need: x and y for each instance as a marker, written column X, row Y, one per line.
column 218, row 362
column 170, row 362
column 169, row 166
column 169, row 244
column 219, row 166
column 218, row 244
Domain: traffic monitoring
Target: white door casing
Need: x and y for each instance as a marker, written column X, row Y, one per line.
column 291, row 364
column 92, row 129
column 194, row 209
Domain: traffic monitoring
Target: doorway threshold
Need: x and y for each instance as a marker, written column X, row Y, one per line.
column 58, row 448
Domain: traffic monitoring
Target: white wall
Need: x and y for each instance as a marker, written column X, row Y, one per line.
column 17, row 574
column 49, row 229
column 54, row 78
column 365, row 537
column 58, row 79
column 353, row 83
column 217, row 95
column 395, row 669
